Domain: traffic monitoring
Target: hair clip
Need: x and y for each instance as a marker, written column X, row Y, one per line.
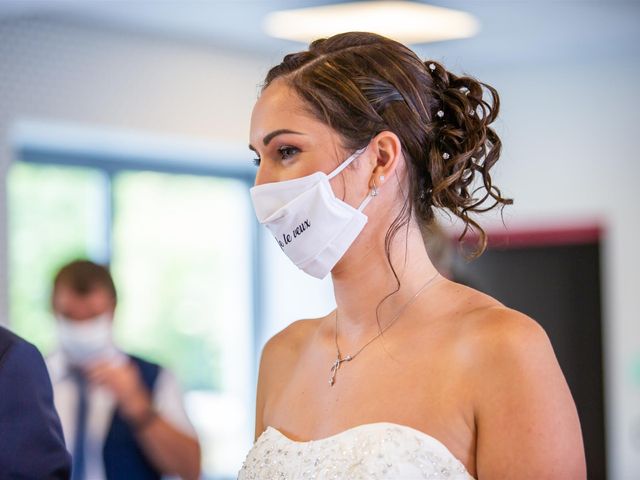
column 432, row 67
column 446, row 156
column 424, row 192
column 440, row 113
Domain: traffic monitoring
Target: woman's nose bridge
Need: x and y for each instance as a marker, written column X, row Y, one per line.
column 258, row 176
column 262, row 175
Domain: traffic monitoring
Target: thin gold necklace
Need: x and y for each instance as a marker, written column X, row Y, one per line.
column 347, row 358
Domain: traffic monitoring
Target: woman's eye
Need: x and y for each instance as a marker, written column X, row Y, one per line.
column 287, row 152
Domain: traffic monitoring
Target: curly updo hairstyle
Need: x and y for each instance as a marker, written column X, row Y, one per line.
column 361, row 84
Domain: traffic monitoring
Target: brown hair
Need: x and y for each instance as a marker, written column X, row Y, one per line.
column 84, row 277
column 361, row 84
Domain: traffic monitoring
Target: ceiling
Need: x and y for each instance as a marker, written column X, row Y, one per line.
column 517, row 31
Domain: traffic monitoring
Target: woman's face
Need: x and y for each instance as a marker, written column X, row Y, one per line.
column 290, row 143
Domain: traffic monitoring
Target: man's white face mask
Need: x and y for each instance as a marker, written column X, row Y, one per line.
column 313, row 227
column 87, row 340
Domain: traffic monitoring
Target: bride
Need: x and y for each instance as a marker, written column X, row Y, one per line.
column 358, row 144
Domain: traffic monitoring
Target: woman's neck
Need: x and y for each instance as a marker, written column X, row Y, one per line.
column 365, row 278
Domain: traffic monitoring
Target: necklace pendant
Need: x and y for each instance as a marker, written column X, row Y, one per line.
column 334, row 368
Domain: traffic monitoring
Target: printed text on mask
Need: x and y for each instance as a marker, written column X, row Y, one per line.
column 299, row 230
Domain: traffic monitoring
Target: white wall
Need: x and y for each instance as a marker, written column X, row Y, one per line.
column 570, row 134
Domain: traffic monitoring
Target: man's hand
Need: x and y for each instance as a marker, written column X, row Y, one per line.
column 171, row 451
column 123, row 380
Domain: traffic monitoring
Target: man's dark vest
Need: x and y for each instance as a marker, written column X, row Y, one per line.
column 123, row 457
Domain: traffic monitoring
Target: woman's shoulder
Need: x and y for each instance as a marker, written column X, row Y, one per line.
column 279, row 355
column 494, row 340
column 497, row 326
column 480, row 314
column 486, row 328
column 509, row 361
column 286, row 344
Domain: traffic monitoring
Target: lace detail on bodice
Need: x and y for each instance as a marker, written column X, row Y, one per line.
column 371, row 451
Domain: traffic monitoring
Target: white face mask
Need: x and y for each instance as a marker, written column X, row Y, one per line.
column 87, row 340
column 313, row 227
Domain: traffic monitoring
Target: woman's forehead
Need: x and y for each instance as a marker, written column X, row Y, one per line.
column 277, row 100
column 280, row 108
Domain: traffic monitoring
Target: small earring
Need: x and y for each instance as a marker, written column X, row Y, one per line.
column 382, row 178
column 374, row 190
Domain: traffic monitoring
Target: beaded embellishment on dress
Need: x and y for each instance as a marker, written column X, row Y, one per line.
column 380, row 451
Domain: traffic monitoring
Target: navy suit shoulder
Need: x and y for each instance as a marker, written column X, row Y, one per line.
column 31, row 441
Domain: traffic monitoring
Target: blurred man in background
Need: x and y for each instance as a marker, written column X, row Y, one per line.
column 123, row 417
column 31, row 443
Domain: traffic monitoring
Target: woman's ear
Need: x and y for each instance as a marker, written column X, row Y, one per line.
column 387, row 148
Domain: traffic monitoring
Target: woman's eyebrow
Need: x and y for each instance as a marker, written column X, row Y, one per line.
column 275, row 133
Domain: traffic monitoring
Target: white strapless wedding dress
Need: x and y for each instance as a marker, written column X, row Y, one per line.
column 372, row 451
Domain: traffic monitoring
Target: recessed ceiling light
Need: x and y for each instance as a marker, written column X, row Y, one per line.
column 406, row 22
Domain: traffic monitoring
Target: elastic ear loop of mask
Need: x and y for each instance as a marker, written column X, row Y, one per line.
column 344, row 165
